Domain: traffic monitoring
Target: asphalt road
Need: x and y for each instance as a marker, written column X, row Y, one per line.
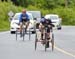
column 64, row 46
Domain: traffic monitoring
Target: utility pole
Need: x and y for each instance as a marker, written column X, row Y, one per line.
column 66, row 3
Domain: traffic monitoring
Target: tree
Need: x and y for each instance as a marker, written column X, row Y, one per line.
column 45, row 4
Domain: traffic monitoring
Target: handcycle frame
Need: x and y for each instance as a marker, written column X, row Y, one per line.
column 45, row 40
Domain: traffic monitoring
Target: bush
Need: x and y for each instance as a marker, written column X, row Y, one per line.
column 5, row 7
column 67, row 15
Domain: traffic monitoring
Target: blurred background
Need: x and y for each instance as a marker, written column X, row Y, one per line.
column 64, row 8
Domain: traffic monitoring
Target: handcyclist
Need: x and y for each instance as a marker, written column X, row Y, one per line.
column 45, row 22
column 24, row 20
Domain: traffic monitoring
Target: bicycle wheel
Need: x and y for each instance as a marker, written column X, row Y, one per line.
column 23, row 33
column 16, row 35
column 36, row 41
column 29, row 34
column 52, row 41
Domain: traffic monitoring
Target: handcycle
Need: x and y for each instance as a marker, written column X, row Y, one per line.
column 51, row 40
column 23, row 33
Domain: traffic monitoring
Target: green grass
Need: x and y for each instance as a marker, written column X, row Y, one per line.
column 4, row 25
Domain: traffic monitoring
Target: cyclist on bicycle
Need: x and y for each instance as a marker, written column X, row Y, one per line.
column 45, row 23
column 24, row 20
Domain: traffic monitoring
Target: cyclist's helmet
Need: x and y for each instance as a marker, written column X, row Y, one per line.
column 46, row 18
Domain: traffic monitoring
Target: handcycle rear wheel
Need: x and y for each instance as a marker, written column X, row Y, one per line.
column 45, row 39
column 52, row 41
column 36, row 41
column 16, row 35
column 29, row 34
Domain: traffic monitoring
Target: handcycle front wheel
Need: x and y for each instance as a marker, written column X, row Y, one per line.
column 45, row 44
column 45, row 39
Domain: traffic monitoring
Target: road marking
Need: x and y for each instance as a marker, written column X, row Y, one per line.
column 63, row 51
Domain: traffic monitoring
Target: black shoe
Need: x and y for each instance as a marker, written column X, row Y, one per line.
column 43, row 42
column 48, row 38
column 47, row 46
column 21, row 34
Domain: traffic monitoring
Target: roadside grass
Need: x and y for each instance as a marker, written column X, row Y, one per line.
column 4, row 26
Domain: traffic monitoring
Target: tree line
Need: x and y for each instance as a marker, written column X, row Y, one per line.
column 49, row 4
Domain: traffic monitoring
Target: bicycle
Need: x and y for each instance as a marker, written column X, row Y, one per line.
column 24, row 31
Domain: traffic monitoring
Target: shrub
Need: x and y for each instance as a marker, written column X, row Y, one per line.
column 5, row 7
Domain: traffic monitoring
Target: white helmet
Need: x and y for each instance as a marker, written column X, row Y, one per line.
column 46, row 17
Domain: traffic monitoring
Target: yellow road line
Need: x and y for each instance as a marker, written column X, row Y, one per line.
column 65, row 52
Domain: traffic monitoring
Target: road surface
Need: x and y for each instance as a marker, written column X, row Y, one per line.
column 64, row 46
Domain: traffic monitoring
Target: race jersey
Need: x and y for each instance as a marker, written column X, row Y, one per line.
column 46, row 22
column 24, row 17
